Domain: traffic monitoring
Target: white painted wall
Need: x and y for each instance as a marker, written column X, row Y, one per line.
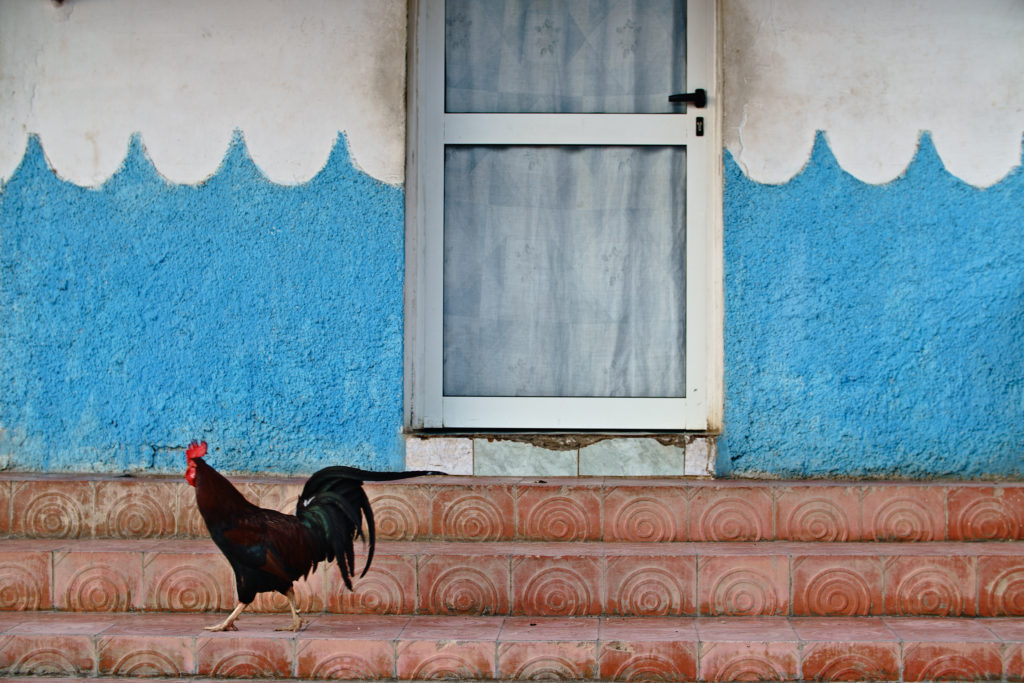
column 872, row 74
column 85, row 75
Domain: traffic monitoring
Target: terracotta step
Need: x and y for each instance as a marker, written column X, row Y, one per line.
column 543, row 579
column 507, row 509
column 363, row 647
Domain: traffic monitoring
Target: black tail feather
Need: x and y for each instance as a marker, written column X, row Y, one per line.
column 333, row 505
column 368, row 511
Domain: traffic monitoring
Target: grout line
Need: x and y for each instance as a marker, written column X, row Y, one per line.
column 945, row 511
column 792, row 588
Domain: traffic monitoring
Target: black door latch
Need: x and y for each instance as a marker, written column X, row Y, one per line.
column 698, row 98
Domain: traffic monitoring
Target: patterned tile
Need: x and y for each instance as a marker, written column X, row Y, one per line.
column 851, row 661
column 401, row 511
column 951, row 661
column 737, row 661
column 818, row 513
column 645, row 514
column 731, row 513
column 651, row 586
column 455, row 584
column 477, row 513
column 458, row 659
column 388, row 588
column 1013, row 662
column 647, row 660
column 52, row 509
column 188, row 582
column 188, row 523
column 930, row 586
column 134, row 509
column 755, row 586
column 1001, row 586
column 558, row 513
column 829, row 585
column 344, row 659
column 49, row 654
column 145, row 656
column 903, row 513
column 557, row 586
column 550, row 660
column 223, row 655
column 986, row 513
column 98, row 581
column 25, row 579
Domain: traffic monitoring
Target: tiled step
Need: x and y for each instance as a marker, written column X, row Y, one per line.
column 365, row 647
column 543, row 579
column 511, row 509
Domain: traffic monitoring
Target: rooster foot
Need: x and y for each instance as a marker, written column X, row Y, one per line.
column 221, row 627
column 297, row 623
column 229, row 623
column 296, row 626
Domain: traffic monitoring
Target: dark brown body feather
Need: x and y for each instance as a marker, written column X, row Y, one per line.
column 270, row 550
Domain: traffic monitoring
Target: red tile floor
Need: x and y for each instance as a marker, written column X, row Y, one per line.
column 484, row 578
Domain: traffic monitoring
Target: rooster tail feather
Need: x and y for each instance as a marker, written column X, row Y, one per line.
column 336, row 476
column 368, row 512
column 333, row 506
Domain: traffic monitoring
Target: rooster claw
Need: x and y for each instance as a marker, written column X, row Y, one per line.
column 297, row 625
column 221, row 627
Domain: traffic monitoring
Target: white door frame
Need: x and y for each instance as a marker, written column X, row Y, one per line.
column 430, row 128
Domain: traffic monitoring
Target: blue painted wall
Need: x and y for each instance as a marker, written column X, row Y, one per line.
column 873, row 330
column 140, row 315
column 870, row 330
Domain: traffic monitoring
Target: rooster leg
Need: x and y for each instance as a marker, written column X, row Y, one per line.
column 229, row 623
column 296, row 621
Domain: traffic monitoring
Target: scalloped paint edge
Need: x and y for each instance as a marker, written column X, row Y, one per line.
column 820, row 152
column 236, row 146
column 819, row 149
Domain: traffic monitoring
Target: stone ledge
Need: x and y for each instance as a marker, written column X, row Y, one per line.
column 564, row 455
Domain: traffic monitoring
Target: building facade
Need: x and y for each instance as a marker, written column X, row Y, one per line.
column 226, row 221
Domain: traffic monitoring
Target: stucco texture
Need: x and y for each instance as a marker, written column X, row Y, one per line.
column 139, row 315
column 873, row 330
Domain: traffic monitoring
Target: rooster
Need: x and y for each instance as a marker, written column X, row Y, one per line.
column 270, row 550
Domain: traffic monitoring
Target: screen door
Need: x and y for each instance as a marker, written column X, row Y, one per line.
column 564, row 205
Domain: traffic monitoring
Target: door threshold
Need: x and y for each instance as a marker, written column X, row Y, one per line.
column 551, row 454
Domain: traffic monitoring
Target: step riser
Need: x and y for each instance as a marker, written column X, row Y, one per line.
column 464, row 509
column 686, row 650
column 979, row 579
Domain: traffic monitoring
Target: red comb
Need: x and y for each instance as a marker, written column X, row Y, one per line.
column 196, row 449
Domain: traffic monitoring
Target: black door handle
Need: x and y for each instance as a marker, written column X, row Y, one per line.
column 698, row 98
